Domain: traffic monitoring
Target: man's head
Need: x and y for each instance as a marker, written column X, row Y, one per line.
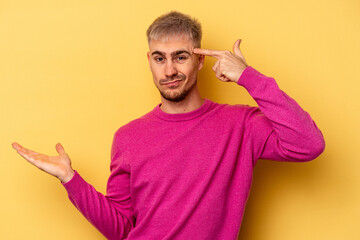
column 172, row 38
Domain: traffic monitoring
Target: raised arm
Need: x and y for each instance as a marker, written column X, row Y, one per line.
column 281, row 129
column 291, row 134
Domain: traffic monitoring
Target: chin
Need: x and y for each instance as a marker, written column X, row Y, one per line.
column 177, row 95
column 174, row 97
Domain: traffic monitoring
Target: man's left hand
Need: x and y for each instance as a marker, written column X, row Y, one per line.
column 229, row 66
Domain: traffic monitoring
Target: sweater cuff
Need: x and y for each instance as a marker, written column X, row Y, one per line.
column 255, row 82
column 249, row 78
column 75, row 184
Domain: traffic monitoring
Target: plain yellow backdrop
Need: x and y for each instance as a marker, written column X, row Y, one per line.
column 75, row 71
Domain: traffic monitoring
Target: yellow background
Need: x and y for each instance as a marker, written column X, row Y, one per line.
column 75, row 71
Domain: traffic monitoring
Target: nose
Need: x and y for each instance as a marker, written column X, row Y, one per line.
column 170, row 69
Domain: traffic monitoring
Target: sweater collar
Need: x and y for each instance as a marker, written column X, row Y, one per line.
column 176, row 117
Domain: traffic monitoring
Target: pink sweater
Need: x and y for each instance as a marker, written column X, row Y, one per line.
column 188, row 175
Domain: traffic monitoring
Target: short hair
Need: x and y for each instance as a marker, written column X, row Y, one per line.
column 175, row 24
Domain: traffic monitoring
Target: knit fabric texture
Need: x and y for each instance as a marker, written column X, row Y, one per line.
column 188, row 175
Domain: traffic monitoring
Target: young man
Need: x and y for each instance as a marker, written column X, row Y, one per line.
column 184, row 170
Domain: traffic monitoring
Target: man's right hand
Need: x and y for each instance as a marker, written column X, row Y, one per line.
column 57, row 166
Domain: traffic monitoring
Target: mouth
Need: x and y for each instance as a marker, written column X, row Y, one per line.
column 172, row 84
column 170, row 81
column 175, row 81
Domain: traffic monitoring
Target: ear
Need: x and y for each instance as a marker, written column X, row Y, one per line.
column 201, row 61
column 148, row 57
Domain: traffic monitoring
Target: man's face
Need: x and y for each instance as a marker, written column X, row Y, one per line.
column 174, row 66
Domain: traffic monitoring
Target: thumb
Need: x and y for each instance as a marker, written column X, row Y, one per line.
column 60, row 148
column 236, row 48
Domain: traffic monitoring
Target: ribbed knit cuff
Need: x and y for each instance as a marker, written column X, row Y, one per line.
column 75, row 184
column 248, row 76
column 255, row 82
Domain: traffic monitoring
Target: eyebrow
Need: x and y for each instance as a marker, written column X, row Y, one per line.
column 172, row 54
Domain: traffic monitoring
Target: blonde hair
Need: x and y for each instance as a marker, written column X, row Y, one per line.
column 175, row 24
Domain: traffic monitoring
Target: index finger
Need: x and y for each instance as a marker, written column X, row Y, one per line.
column 208, row 52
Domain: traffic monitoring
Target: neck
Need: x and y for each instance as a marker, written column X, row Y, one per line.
column 192, row 102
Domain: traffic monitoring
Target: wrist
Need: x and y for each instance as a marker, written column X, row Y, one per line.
column 240, row 74
column 67, row 176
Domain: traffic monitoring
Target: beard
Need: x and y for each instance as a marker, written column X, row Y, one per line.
column 179, row 95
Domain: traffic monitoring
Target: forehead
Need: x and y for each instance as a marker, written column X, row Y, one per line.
column 171, row 44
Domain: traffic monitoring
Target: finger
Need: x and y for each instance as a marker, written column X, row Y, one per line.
column 60, row 148
column 224, row 79
column 16, row 146
column 27, row 152
column 216, row 65
column 208, row 52
column 27, row 156
column 218, row 72
column 236, row 48
column 219, row 75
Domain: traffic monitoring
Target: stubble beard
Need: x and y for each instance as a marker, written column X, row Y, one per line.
column 178, row 96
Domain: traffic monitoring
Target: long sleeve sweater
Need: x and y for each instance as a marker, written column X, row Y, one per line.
column 188, row 175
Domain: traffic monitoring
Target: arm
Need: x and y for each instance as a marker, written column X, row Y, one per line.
column 281, row 129
column 110, row 214
column 284, row 129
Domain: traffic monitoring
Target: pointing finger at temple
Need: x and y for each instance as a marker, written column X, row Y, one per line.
column 208, row 52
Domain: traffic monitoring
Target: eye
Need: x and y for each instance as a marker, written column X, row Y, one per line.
column 181, row 58
column 159, row 59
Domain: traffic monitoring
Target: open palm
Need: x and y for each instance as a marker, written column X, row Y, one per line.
column 57, row 166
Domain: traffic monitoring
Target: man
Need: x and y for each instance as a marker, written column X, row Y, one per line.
column 184, row 170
